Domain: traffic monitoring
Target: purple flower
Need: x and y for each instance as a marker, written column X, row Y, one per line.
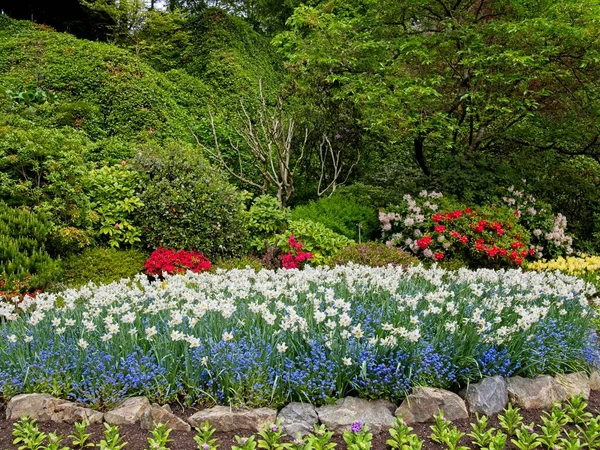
column 274, row 427
column 205, row 446
column 356, row 426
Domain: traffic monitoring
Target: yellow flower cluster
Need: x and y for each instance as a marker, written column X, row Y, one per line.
column 572, row 265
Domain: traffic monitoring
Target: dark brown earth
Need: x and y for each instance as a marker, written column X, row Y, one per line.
column 137, row 438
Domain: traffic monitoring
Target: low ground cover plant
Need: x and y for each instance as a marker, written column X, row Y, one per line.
column 247, row 338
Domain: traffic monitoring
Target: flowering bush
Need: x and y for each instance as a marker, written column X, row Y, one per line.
column 548, row 234
column 430, row 229
column 245, row 338
column 295, row 258
column 169, row 261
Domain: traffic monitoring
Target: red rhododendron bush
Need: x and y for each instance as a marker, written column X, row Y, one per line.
column 172, row 262
column 502, row 234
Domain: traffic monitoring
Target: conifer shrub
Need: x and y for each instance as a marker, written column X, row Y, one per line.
column 25, row 264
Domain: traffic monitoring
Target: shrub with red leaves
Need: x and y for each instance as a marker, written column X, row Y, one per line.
column 171, row 261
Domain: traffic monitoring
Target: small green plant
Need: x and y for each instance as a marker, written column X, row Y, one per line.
column 497, row 442
column 402, row 437
column 204, row 439
column 55, row 442
column 572, row 441
column 591, row 433
column 112, row 439
column 265, row 220
column 27, row 433
column 511, row 420
column 526, row 437
column 320, row 439
column 244, row 443
column 160, row 437
column 480, row 434
column 80, row 439
column 575, row 410
column 270, row 438
column 550, row 431
column 443, row 432
column 358, row 438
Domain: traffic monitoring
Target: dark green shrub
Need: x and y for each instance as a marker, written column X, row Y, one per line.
column 102, row 265
column 373, row 254
column 265, row 220
column 187, row 204
column 319, row 240
column 345, row 217
column 23, row 257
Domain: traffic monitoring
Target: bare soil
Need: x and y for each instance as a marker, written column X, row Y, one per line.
column 136, row 438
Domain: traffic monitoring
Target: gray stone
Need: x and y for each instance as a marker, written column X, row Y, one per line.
column 376, row 414
column 223, row 418
column 536, row 393
column 425, row 402
column 595, row 381
column 156, row 414
column 128, row 412
column 298, row 418
column 489, row 396
column 575, row 384
column 45, row 408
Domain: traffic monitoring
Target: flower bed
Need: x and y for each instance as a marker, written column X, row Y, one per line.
column 266, row 338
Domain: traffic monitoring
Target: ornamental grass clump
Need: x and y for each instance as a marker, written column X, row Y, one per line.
column 247, row 338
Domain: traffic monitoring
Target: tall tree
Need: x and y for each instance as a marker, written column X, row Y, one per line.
column 457, row 77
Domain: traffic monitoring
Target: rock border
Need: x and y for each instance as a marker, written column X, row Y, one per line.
column 489, row 396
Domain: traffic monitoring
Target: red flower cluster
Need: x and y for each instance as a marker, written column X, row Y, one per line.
column 170, row 261
column 294, row 258
column 424, row 242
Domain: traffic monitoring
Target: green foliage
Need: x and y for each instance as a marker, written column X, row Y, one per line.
column 44, row 169
column 102, row 265
column 188, row 205
column 160, row 437
column 265, row 220
column 239, row 263
column 23, row 255
column 112, row 439
column 472, row 98
column 353, row 220
column 163, row 39
column 317, row 239
column 27, row 433
column 113, row 200
column 402, row 438
column 80, row 439
column 204, row 437
column 31, row 96
column 372, row 254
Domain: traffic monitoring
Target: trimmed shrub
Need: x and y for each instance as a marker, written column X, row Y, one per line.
column 342, row 215
column 373, row 254
column 188, row 204
column 102, row 265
